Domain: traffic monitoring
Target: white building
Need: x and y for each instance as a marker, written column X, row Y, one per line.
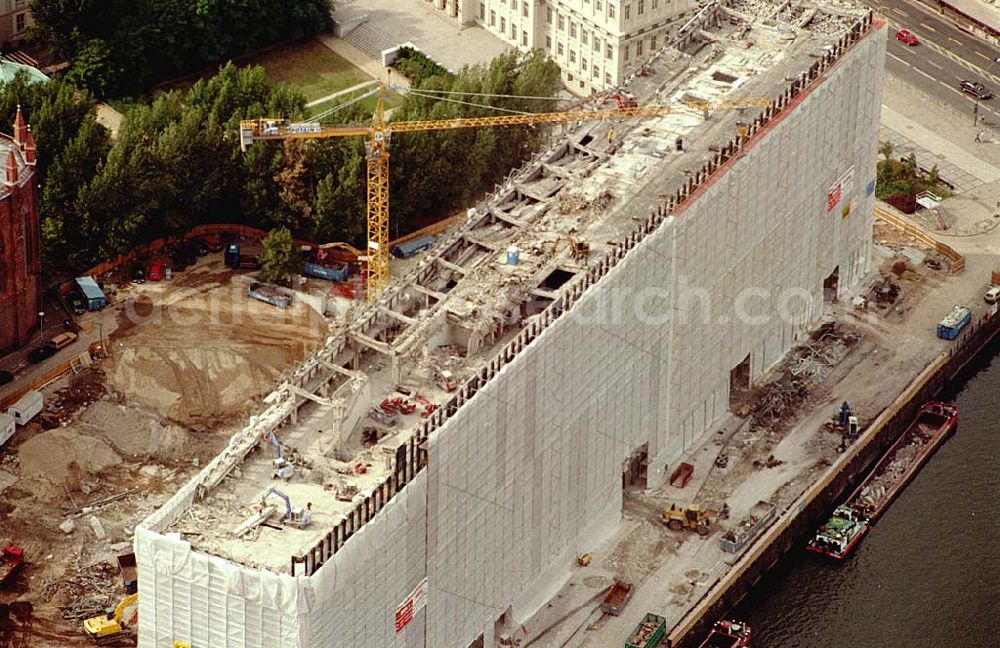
column 596, row 43
column 569, row 372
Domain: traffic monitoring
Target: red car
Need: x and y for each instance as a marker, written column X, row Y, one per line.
column 155, row 271
column 906, row 36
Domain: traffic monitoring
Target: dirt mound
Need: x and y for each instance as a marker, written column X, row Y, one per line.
column 65, row 455
column 134, row 432
column 200, row 354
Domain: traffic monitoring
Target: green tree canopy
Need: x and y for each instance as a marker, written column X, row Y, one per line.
column 118, row 47
column 279, row 261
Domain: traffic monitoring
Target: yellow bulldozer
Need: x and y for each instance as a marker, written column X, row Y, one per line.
column 107, row 628
column 693, row 518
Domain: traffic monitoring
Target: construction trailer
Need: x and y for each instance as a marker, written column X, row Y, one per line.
column 7, row 427
column 26, row 407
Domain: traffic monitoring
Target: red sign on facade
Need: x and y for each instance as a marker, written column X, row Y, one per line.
column 413, row 604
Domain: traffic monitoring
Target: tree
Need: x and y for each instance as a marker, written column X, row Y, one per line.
column 885, row 148
column 279, row 261
column 118, row 47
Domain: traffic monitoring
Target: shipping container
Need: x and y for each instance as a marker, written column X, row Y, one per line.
column 94, row 298
column 27, row 407
column 408, row 249
column 326, row 272
column 269, row 294
column 954, row 322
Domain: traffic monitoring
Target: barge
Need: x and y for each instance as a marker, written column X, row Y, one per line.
column 850, row 521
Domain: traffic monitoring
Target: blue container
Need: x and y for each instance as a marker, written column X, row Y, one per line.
column 513, row 255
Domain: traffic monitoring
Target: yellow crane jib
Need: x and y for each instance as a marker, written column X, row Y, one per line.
column 379, row 133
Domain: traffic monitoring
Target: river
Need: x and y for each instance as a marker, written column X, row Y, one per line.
column 928, row 573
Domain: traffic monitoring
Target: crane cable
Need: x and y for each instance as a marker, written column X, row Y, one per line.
column 467, row 103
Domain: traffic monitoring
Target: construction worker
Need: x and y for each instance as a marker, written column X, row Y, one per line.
column 611, row 135
column 306, row 515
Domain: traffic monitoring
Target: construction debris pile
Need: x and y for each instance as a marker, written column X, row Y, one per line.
column 877, row 487
column 88, row 592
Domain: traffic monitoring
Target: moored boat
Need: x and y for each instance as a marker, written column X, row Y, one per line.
column 850, row 521
column 728, row 634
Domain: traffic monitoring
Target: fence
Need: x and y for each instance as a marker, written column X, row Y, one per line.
column 957, row 260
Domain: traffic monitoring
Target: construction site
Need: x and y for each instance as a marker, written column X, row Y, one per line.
column 431, row 473
column 656, row 310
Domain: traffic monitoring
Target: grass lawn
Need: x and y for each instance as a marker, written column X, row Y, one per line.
column 309, row 66
column 391, row 100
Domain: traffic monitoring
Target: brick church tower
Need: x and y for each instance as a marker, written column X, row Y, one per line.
column 20, row 239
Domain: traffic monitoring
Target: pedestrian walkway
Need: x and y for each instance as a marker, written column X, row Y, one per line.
column 353, row 88
column 938, row 135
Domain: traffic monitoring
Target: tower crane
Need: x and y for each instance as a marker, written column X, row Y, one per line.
column 379, row 132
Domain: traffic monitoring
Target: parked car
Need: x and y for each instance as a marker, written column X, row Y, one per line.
column 6, row 377
column 907, row 37
column 63, row 340
column 155, row 271
column 77, row 304
column 41, row 354
column 992, row 295
column 976, row 89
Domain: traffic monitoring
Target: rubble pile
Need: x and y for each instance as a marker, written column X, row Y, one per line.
column 86, row 593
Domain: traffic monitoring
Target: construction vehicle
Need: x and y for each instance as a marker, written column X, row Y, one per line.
column 12, row 562
column 624, row 99
column 380, row 131
column 282, row 469
column 578, row 250
column 294, row 517
column 109, row 627
column 693, row 518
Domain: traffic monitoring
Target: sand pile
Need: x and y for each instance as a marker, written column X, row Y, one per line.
column 133, row 432
column 202, row 358
column 64, row 455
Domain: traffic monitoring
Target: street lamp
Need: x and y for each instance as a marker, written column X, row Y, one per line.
column 975, row 109
column 41, row 326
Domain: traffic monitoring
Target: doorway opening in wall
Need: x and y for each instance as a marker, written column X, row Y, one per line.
column 831, row 286
column 739, row 385
column 635, row 469
column 501, row 632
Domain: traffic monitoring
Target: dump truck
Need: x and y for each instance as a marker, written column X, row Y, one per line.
column 11, row 563
column 618, row 595
column 130, row 575
column 648, row 633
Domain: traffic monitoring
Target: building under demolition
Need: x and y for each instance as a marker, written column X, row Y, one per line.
column 453, row 447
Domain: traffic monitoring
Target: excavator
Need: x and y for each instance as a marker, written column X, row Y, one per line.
column 294, row 517
column 578, row 250
column 693, row 518
column 109, row 627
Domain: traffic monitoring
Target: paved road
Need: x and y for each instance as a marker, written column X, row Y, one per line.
column 945, row 56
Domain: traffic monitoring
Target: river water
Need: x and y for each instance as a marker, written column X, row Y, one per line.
column 928, row 573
